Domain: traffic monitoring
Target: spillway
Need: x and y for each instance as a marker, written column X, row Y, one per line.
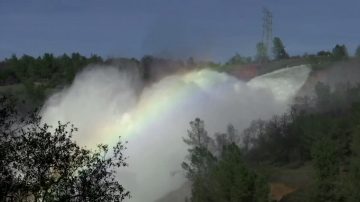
column 103, row 103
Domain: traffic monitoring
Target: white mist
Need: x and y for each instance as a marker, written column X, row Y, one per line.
column 103, row 103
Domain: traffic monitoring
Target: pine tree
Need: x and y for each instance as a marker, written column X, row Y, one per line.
column 357, row 52
column 223, row 177
column 279, row 49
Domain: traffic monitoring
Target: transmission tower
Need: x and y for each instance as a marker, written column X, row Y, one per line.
column 267, row 29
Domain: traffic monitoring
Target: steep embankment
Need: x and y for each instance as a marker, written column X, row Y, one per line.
column 342, row 72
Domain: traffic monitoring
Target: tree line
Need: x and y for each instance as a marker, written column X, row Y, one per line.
column 39, row 76
column 278, row 50
column 323, row 131
column 216, row 168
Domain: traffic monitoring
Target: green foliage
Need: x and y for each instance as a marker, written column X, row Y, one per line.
column 352, row 181
column 324, row 130
column 40, row 163
column 43, row 73
column 276, row 141
column 48, row 69
column 290, row 137
column 223, row 177
column 234, row 182
column 146, row 63
column 357, row 52
column 327, row 166
column 200, row 158
column 324, row 54
column 237, row 59
column 200, row 161
column 279, row 49
column 340, row 52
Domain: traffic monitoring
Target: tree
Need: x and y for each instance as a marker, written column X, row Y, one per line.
column 200, row 159
column 327, row 167
column 340, row 52
column 279, row 49
column 357, row 52
column 234, row 182
column 7, row 148
column 48, row 66
column 352, row 184
column 324, row 54
column 237, row 59
column 222, row 177
column 40, row 163
column 252, row 136
column 146, row 67
column 261, row 52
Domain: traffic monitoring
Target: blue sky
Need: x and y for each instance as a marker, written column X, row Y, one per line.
column 208, row 29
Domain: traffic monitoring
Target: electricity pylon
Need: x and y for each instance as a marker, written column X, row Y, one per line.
column 267, row 29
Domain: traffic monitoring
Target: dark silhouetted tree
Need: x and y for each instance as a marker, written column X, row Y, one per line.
column 324, row 53
column 200, row 158
column 40, row 163
column 221, row 177
column 237, row 59
column 232, row 181
column 327, row 167
column 357, row 52
column 340, row 52
column 279, row 49
column 352, row 181
column 146, row 65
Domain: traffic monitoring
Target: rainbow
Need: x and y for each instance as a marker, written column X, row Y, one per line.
column 154, row 104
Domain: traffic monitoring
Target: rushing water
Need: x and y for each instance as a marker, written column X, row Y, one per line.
column 104, row 104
